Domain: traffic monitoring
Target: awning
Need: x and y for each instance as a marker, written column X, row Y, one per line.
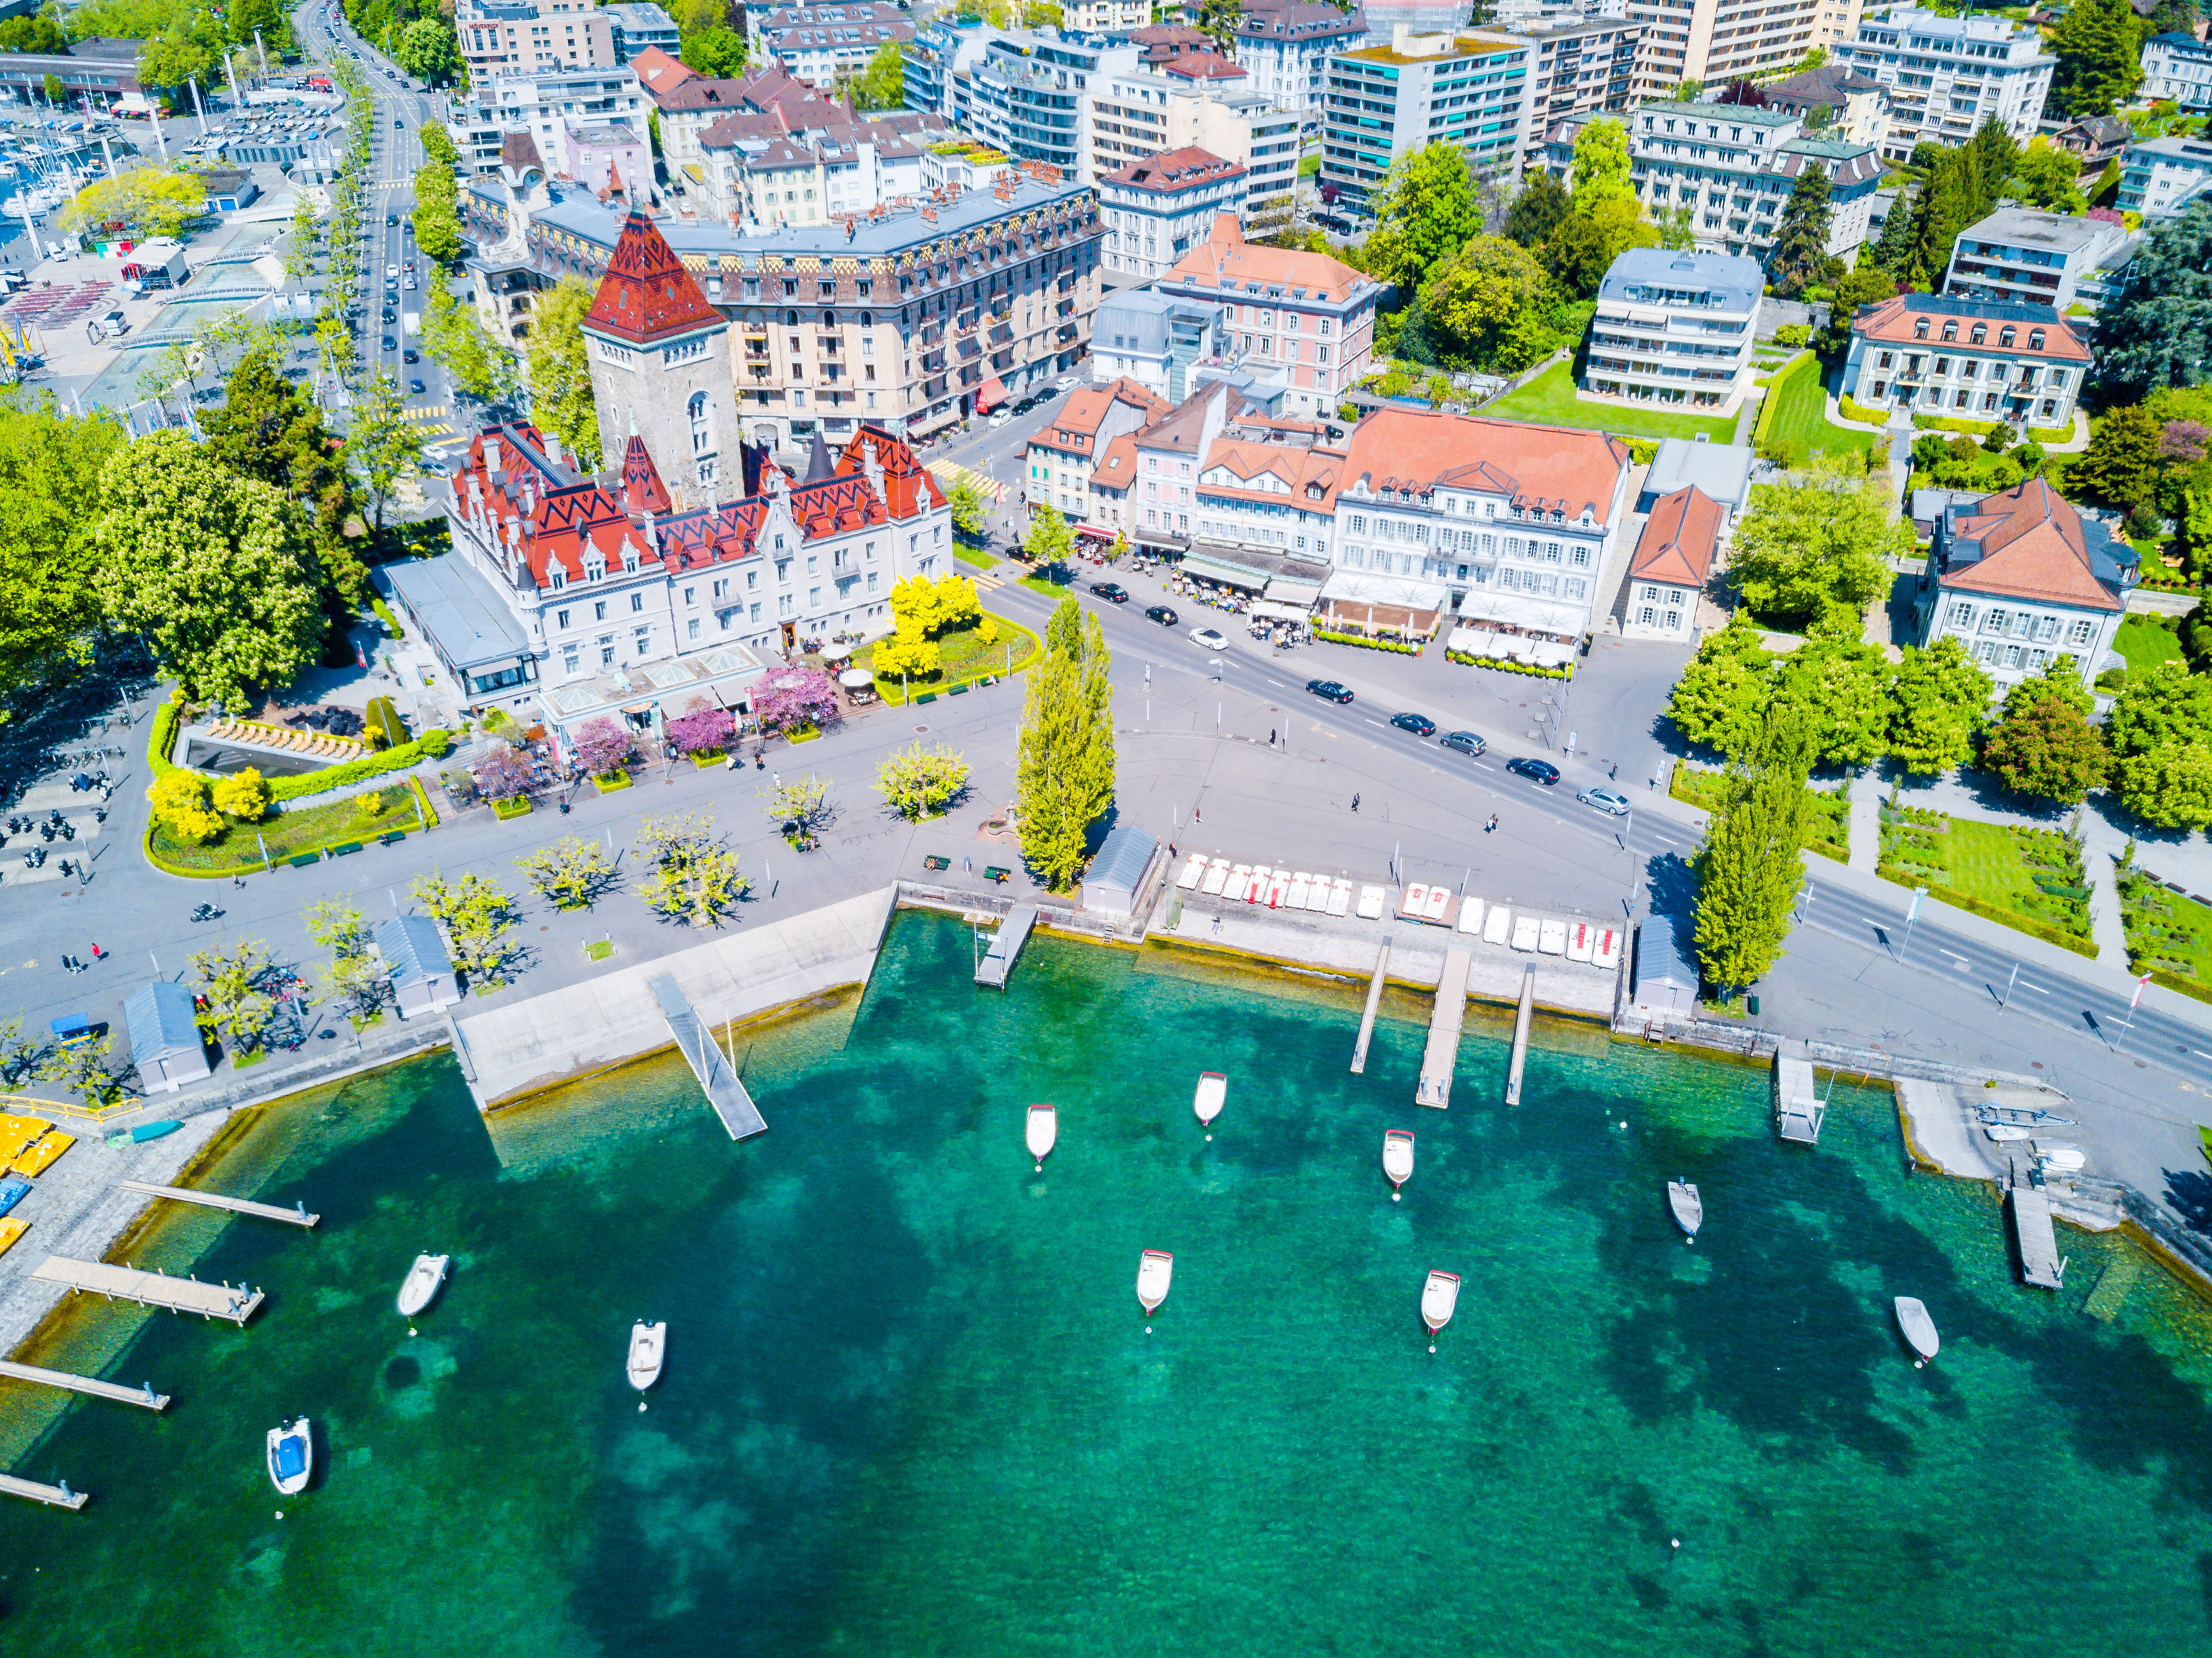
column 1531, row 612
column 988, row 392
column 1092, row 532
column 1288, row 590
column 1276, row 610
column 1230, row 575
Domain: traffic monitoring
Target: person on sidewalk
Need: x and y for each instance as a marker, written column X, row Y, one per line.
column 1355, row 803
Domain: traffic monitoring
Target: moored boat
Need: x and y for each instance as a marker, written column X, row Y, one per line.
column 1689, row 1208
column 2007, row 1131
column 1155, row 1273
column 1042, row 1132
column 1212, row 1093
column 420, row 1287
column 1919, row 1328
column 291, row 1455
column 1439, row 1295
column 1397, row 1157
column 153, row 1131
column 648, row 1346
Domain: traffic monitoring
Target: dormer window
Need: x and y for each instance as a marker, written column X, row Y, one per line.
column 2035, row 340
column 1950, row 332
column 1980, row 335
column 1920, row 329
column 2007, row 336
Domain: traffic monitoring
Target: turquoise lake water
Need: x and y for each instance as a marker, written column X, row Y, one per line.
column 910, row 1407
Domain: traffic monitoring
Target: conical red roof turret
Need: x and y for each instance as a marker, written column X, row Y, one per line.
column 647, row 295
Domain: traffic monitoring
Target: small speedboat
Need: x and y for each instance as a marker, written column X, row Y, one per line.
column 1689, row 1208
column 648, row 1346
column 421, row 1287
column 1042, row 1132
column 2007, row 1131
column 2061, row 1159
column 1155, row 1273
column 1439, row 1295
column 1397, row 1157
column 291, row 1455
column 1919, row 1328
column 1213, row 1093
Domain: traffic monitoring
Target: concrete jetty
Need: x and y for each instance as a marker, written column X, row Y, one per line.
column 1005, row 945
column 57, row 1496
column 732, row 1104
column 2040, row 1263
column 1522, row 1016
column 1441, row 1058
column 144, row 1397
column 178, row 1294
column 1374, row 1002
column 1798, row 1112
column 296, row 1215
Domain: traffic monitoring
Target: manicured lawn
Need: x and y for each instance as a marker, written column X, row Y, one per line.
column 2146, row 643
column 1549, row 400
column 1798, row 424
column 293, row 834
column 1700, row 787
column 962, row 657
column 2169, row 936
column 2029, row 878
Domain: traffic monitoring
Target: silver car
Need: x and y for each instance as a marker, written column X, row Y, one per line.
column 1611, row 801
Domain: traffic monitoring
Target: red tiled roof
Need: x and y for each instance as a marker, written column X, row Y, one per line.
column 1079, row 418
column 1540, row 467
column 642, row 489
column 1203, row 66
column 1680, row 539
column 1893, row 322
column 2033, row 548
column 1117, row 467
column 658, row 71
column 1226, row 258
column 647, row 294
column 1297, row 468
column 1175, row 169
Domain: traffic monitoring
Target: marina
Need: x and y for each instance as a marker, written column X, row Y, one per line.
column 295, row 1216
column 175, row 1295
column 54, row 1496
column 1441, row 1057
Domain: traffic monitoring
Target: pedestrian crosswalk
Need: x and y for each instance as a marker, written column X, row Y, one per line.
column 987, row 581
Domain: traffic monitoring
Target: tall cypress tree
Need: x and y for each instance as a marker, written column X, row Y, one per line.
column 1800, row 242
column 1892, row 252
column 1749, row 866
column 1064, row 762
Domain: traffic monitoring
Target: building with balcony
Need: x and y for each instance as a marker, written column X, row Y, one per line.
column 545, row 105
column 1198, row 101
column 2160, row 177
column 1062, row 458
column 1473, row 89
column 1935, row 354
column 821, row 44
column 1733, row 166
column 1675, row 329
column 1115, row 17
column 2179, row 67
column 758, row 172
column 533, row 37
column 638, row 26
column 1584, row 66
column 1026, row 94
column 1945, row 75
column 1159, row 209
column 1715, row 41
column 1157, row 341
column 2023, row 257
column 946, row 43
column 1287, row 48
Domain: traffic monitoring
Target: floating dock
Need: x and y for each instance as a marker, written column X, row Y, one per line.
column 144, row 1397
column 1374, row 1002
column 724, row 1092
column 1005, row 945
column 297, row 1216
column 178, row 1294
column 1522, row 1016
column 1798, row 1112
column 2040, row 1263
column 58, row 1497
column 1441, row 1058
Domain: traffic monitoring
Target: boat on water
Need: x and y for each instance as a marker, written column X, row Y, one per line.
column 1397, row 1157
column 1042, row 1132
column 1155, row 1273
column 648, row 1346
column 291, row 1455
column 2007, row 1131
column 1439, row 1295
column 420, row 1287
column 1213, row 1093
column 1689, row 1208
column 1919, row 1328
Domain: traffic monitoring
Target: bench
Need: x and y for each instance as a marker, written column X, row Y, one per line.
column 932, row 860
column 926, row 696
column 344, row 847
column 304, row 860
column 392, row 837
column 960, row 690
column 993, row 872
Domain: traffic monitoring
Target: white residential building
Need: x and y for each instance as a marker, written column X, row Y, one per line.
column 533, row 37
column 821, row 44
column 1967, row 359
column 2024, row 257
column 1475, row 90
column 1105, row 16
column 638, row 26
column 1158, row 341
column 1733, row 166
column 2179, row 67
column 545, row 105
column 1200, row 101
column 2160, row 177
column 1287, row 48
column 1157, row 210
column 1717, row 40
column 1026, row 94
column 1947, row 76
column 1675, row 328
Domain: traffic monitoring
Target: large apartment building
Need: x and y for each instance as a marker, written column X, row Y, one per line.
column 821, row 45
column 1675, row 329
column 1716, row 41
column 2178, row 66
column 1287, row 48
column 1733, row 166
column 545, row 104
column 1584, row 66
column 1200, row 101
column 2160, row 177
column 1967, row 359
column 1159, row 209
column 1946, row 76
column 2026, row 257
column 1475, row 90
column 1025, row 93
column 533, row 37
column 758, row 172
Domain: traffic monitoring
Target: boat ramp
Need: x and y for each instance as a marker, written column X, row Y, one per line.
column 178, row 1294
column 1005, row 945
column 1374, row 1002
column 144, row 1397
column 1441, row 1058
column 296, row 1215
column 724, row 1092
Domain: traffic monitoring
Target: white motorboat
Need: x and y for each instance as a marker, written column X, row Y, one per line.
column 421, row 1286
column 291, row 1455
column 1042, row 1132
column 1213, row 1093
column 1919, row 1328
column 1689, row 1208
column 1439, row 1295
column 1397, row 1157
column 2061, row 1159
column 2007, row 1131
column 1155, row 1273
column 648, row 1346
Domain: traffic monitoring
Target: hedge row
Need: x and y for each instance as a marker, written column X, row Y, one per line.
column 1510, row 665
column 1982, row 906
column 1363, row 639
column 431, row 746
column 162, row 738
column 1982, row 428
column 1803, row 364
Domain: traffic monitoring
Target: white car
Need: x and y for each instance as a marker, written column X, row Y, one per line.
column 1000, row 418
column 1209, row 638
column 1065, row 383
column 391, row 273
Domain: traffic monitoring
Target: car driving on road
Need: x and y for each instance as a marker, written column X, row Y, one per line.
column 1465, row 742
column 1328, row 690
column 1420, row 724
column 1161, row 614
column 1210, row 639
column 1112, row 592
column 1541, row 771
column 1605, row 800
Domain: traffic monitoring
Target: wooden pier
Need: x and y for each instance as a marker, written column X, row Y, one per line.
column 55, row 1496
column 1441, row 1057
column 297, row 1216
column 1521, row 1018
column 2040, row 1263
column 1005, row 945
column 1374, row 1002
column 144, row 1397
column 178, row 1294
column 1798, row 1112
column 732, row 1104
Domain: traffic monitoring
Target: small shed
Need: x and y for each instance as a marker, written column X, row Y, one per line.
column 1116, row 878
column 422, row 973
column 166, row 1044
column 1662, row 976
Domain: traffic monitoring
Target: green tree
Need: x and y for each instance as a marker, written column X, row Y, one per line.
column 693, row 877
column 265, row 430
column 1749, row 867
column 351, row 977
column 1835, row 689
column 718, row 53
column 138, row 201
column 383, row 442
column 918, row 782
column 477, row 914
column 1826, row 537
column 230, row 981
column 2050, row 178
column 1064, row 765
column 1942, row 703
column 180, row 805
column 51, row 466
column 2163, row 704
column 242, row 796
column 438, row 144
column 437, row 215
column 83, row 1068
column 1952, row 199
column 882, row 85
column 2043, row 743
column 454, row 335
column 1218, row 20
column 57, row 94
column 1491, row 306
column 1584, row 244
column 556, row 372
column 170, row 61
column 1996, row 158
column 1537, row 211
column 2099, row 47
column 216, row 571
column 1677, row 232
column 2170, row 785
column 1866, row 284
column 2157, row 331
column 799, row 806
column 1427, row 207
column 426, row 49
column 300, row 247
column 1801, row 241
column 1600, row 172
column 1048, row 541
column 1720, row 701
column 967, row 506
column 1892, row 249
column 2122, row 465
column 573, row 873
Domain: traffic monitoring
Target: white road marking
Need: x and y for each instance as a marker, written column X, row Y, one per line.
column 2038, row 989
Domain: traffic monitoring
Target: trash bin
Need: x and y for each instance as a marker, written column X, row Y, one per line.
column 1751, row 1004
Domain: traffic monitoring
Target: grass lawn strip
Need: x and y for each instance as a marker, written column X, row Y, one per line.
column 1549, row 400
column 1798, row 420
column 2169, row 936
column 2145, row 643
column 290, row 836
column 962, row 657
column 2029, row 878
column 1700, row 787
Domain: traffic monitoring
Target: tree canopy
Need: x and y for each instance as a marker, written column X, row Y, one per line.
column 2157, row 331
column 265, row 430
column 138, row 201
column 1943, row 701
column 1427, row 207
column 557, row 371
column 882, row 85
column 51, row 465
column 1064, row 765
column 2043, row 743
column 2099, row 48
column 1600, row 172
column 718, row 52
column 1800, row 242
column 1489, row 304
column 1825, row 537
column 427, row 50
column 1749, row 867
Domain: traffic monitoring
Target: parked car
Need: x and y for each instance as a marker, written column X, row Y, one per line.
column 1065, row 383
column 1542, row 771
column 1328, row 690
column 1210, row 639
column 1000, row 418
column 1465, row 742
column 1112, row 592
column 1605, row 800
column 1161, row 614
column 1420, row 724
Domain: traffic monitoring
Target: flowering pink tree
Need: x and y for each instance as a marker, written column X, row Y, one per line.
column 794, row 695
column 604, row 745
column 700, row 732
column 502, row 774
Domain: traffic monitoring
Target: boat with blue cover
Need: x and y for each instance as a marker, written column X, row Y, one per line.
column 291, row 1455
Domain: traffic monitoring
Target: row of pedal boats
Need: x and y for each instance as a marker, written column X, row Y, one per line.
column 1440, row 1292
column 291, row 1445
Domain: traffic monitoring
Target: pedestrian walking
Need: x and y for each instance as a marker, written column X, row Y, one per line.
column 1271, row 737
column 1355, row 803
column 776, row 778
column 98, row 954
column 1193, row 816
column 1491, row 826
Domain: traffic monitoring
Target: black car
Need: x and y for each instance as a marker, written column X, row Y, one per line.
column 1465, row 742
column 410, row 357
column 391, row 219
column 1541, row 771
column 1111, row 592
column 1161, row 614
column 389, row 315
column 1420, row 724
column 1328, row 690
column 390, row 344
column 416, row 386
